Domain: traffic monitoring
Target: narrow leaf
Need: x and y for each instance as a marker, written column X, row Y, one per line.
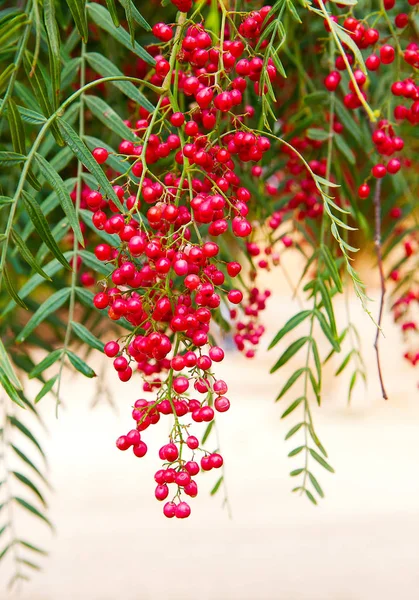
column 87, row 336
column 46, row 388
column 102, row 111
column 58, row 186
column 321, row 461
column 101, row 17
column 81, row 151
column 25, row 431
column 53, row 37
column 27, row 255
column 42, row 228
column 10, row 390
column 289, row 353
column 289, row 325
column 78, row 11
column 7, row 367
column 51, row 305
column 47, row 362
column 29, row 507
column 23, row 479
column 80, row 365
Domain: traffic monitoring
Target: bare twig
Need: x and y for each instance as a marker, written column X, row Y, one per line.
column 377, row 244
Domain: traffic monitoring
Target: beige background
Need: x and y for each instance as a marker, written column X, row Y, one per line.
column 360, row 543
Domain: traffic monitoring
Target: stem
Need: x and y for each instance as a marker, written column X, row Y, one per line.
column 377, row 244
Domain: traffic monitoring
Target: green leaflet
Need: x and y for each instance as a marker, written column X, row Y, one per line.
column 113, row 12
column 106, row 68
column 78, row 11
column 46, row 388
column 87, row 336
column 30, row 508
column 29, row 484
column 40, row 90
column 102, row 111
column 42, row 227
column 52, row 304
column 54, row 43
column 289, row 325
column 9, row 389
column 47, row 362
column 66, row 203
column 102, row 18
column 7, row 367
column 135, row 15
column 289, row 353
column 81, row 151
column 80, row 365
column 27, row 255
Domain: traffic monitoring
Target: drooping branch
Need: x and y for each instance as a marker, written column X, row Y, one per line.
column 377, row 244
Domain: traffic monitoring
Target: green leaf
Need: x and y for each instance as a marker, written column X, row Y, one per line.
column 80, row 365
column 7, row 367
column 23, row 479
column 46, row 388
column 5, row 76
column 295, row 451
column 349, row 42
column 293, row 430
column 290, row 324
column 27, row 255
column 106, row 68
column 58, row 186
column 40, row 90
column 327, row 303
column 87, row 336
column 316, row 98
column 81, row 151
column 9, row 389
column 50, row 269
column 344, row 363
column 28, row 563
column 29, row 462
column 29, row 507
column 11, row 158
column 296, row 472
column 102, row 111
column 113, row 12
column 25, row 431
column 317, row 134
column 46, row 362
column 293, row 405
column 343, row 147
column 90, row 260
column 290, row 382
column 289, row 353
column 331, row 266
column 53, row 37
column 352, row 385
column 11, row 290
column 100, row 16
column 29, row 546
column 137, row 16
column 51, row 305
column 217, row 486
column 207, row 432
column 316, row 485
column 310, row 497
column 5, row 200
column 42, row 228
column 321, row 461
column 78, row 11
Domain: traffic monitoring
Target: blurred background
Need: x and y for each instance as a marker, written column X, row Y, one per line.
column 112, row 540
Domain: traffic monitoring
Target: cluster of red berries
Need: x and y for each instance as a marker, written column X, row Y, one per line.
column 192, row 170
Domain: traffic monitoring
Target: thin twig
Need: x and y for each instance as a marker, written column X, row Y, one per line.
column 377, row 244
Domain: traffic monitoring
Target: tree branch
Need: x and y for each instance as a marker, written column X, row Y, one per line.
column 377, row 244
